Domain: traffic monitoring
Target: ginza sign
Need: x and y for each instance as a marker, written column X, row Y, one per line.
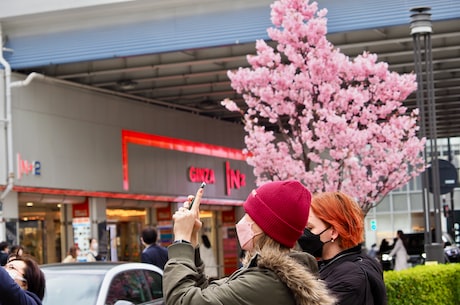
column 234, row 179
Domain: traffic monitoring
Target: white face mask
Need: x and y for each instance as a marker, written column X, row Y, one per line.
column 94, row 246
column 245, row 234
column 15, row 275
column 12, row 273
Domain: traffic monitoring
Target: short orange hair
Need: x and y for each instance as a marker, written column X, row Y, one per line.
column 343, row 213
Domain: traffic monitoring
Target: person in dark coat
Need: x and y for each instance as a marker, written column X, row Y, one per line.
column 21, row 282
column 153, row 253
column 334, row 234
column 272, row 273
column 4, row 252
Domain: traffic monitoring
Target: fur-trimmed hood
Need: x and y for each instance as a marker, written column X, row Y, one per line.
column 270, row 278
column 291, row 269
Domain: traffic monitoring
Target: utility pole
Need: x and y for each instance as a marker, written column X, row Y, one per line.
column 420, row 29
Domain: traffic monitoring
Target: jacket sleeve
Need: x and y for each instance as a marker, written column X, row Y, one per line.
column 11, row 293
column 348, row 284
column 243, row 287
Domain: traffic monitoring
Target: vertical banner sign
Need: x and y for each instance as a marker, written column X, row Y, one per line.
column 234, row 178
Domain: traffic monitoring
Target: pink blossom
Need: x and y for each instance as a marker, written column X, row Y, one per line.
column 230, row 105
column 340, row 123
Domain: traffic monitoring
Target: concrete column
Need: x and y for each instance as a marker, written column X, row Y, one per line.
column 50, row 245
column 98, row 219
column 9, row 215
column 67, row 238
column 150, row 216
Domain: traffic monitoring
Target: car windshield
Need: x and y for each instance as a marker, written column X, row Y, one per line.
column 63, row 287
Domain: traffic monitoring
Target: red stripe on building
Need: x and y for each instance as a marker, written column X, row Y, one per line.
column 152, row 140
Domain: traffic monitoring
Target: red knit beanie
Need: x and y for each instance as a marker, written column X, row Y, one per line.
column 280, row 209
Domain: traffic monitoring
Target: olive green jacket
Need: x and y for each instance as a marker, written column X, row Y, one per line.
column 279, row 280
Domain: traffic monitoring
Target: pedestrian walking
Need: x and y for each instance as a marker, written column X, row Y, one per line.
column 153, row 253
column 399, row 252
column 16, row 250
column 4, row 252
column 93, row 253
column 72, row 255
column 373, row 251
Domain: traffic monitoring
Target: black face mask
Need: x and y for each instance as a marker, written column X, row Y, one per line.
column 311, row 243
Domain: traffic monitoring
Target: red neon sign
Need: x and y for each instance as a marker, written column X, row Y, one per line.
column 196, row 174
column 152, row 140
column 234, row 178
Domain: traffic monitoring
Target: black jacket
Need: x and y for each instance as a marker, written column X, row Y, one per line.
column 3, row 258
column 354, row 278
column 155, row 255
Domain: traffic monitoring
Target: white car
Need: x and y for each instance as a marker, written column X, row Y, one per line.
column 103, row 283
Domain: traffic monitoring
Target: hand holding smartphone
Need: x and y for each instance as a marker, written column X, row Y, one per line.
column 197, row 193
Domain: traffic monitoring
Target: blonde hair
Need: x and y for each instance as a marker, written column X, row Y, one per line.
column 264, row 246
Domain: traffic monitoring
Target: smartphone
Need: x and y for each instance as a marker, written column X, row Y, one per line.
column 201, row 187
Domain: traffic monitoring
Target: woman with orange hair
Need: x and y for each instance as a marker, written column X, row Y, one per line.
column 334, row 233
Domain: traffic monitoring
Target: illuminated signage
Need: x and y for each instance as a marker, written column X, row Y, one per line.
column 80, row 209
column 234, row 178
column 25, row 167
column 196, row 174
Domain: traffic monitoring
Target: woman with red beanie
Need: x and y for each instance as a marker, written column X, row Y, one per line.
column 272, row 273
column 334, row 234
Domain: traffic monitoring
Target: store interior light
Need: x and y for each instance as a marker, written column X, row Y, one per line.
column 124, row 213
column 135, row 213
column 30, row 204
column 205, row 214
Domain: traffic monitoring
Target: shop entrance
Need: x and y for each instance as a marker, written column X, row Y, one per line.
column 39, row 231
column 124, row 227
column 129, row 247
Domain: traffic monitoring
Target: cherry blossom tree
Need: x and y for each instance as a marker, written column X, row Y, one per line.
column 315, row 115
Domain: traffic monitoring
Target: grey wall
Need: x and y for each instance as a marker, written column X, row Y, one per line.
column 76, row 135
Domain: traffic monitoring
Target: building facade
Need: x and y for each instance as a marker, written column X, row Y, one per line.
column 89, row 164
column 402, row 209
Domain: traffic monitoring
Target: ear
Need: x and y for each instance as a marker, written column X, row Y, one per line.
column 334, row 233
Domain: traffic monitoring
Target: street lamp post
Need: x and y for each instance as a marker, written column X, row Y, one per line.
column 420, row 29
